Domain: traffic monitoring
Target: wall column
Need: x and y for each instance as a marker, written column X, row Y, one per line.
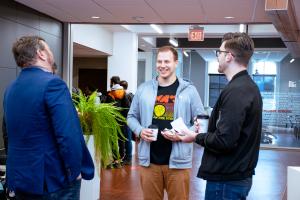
column 123, row 61
column 67, row 72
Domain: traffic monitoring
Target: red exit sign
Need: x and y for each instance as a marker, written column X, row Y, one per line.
column 196, row 33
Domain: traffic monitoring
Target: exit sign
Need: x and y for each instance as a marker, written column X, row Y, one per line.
column 196, row 33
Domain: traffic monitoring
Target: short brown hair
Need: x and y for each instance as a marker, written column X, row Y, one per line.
column 124, row 84
column 169, row 48
column 115, row 79
column 25, row 50
column 241, row 46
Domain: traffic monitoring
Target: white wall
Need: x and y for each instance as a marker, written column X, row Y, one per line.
column 147, row 57
column 122, row 46
column 93, row 36
column 123, row 61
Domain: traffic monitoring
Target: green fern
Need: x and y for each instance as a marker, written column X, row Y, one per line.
column 103, row 121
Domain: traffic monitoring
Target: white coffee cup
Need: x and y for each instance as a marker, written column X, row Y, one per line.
column 154, row 130
column 203, row 123
column 154, row 133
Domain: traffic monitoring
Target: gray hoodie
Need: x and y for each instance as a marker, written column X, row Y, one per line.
column 187, row 105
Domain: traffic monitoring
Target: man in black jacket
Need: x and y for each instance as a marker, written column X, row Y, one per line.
column 231, row 144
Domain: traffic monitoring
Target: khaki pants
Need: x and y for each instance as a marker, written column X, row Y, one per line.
column 156, row 178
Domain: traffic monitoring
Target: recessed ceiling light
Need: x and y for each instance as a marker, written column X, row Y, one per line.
column 95, row 17
column 186, row 54
column 138, row 18
column 292, row 60
column 157, row 28
column 229, row 17
column 260, row 52
column 125, row 26
column 173, row 41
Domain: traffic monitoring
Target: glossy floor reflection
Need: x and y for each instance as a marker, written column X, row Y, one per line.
column 268, row 183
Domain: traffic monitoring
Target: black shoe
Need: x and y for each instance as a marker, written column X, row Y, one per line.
column 127, row 162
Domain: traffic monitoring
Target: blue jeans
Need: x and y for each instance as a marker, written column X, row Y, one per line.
column 228, row 190
column 70, row 192
column 128, row 144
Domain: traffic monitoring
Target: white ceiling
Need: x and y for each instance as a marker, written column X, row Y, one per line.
column 156, row 11
column 137, row 13
column 211, row 31
column 147, row 39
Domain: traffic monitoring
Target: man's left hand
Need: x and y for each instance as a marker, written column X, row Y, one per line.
column 188, row 136
column 169, row 135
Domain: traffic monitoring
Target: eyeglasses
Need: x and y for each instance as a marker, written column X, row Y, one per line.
column 218, row 52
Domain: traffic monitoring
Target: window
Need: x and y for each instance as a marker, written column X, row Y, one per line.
column 264, row 67
column 217, row 83
column 265, row 83
column 264, row 75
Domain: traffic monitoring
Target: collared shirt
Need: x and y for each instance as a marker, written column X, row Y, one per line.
column 40, row 67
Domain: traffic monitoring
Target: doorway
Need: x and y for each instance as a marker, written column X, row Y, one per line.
column 90, row 80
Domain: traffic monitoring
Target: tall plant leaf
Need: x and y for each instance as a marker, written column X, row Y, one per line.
column 103, row 121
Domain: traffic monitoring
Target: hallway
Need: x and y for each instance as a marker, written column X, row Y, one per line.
column 268, row 183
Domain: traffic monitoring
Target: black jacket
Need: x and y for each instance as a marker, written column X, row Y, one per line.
column 233, row 138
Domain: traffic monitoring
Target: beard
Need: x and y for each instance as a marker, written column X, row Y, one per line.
column 220, row 69
column 50, row 59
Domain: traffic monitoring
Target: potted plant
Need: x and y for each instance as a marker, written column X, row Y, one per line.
column 101, row 126
column 102, row 121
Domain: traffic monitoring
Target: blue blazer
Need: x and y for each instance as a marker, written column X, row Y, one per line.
column 46, row 148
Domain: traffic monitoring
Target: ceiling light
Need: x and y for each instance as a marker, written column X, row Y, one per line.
column 261, row 52
column 173, row 41
column 125, row 26
column 95, row 17
column 137, row 18
column 229, row 17
column 242, row 28
column 292, row 60
column 156, row 28
column 186, row 54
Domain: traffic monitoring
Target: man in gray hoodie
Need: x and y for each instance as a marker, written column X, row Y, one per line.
column 165, row 162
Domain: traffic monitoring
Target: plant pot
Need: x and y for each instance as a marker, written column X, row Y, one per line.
column 90, row 190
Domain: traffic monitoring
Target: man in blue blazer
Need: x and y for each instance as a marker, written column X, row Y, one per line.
column 47, row 155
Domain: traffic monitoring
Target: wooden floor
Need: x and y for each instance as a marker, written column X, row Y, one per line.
column 269, row 183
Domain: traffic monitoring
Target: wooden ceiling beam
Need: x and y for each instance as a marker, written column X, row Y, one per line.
column 282, row 15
